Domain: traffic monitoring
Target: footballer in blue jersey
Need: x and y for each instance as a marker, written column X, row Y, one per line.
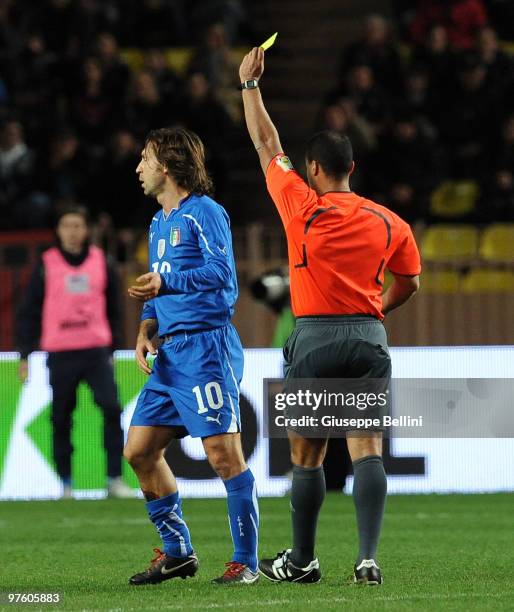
column 193, row 386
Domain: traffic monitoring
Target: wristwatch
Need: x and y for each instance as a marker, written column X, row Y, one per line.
column 249, row 84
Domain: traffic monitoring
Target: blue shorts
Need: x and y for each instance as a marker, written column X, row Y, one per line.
column 195, row 384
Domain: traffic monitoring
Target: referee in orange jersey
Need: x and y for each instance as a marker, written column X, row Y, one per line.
column 339, row 246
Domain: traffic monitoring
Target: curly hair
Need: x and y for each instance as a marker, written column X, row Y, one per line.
column 183, row 154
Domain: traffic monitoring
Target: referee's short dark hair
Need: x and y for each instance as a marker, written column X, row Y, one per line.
column 332, row 151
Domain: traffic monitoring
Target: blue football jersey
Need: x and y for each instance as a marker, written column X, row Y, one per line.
column 191, row 248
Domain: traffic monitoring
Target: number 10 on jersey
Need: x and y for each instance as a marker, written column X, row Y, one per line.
column 165, row 267
column 213, row 394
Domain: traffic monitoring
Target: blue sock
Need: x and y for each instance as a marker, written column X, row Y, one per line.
column 243, row 514
column 166, row 514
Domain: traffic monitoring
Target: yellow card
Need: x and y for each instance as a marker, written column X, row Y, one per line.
column 268, row 43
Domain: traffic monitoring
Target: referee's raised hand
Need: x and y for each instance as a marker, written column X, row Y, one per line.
column 252, row 65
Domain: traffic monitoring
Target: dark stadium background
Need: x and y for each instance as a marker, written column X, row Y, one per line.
column 425, row 92
column 424, row 89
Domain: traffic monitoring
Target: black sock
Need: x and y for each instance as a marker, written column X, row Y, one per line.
column 307, row 495
column 369, row 493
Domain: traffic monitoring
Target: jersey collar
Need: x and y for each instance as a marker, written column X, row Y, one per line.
column 336, row 191
column 180, row 204
column 184, row 200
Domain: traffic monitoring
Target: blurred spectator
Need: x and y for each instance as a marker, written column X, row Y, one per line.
column 119, row 202
column 91, row 107
column 377, row 50
column 88, row 17
column 119, row 193
column 146, row 108
column 203, row 114
column 15, row 156
column 65, row 173
column 465, row 127
column 406, row 168
column 214, row 59
column 54, row 18
column 497, row 202
column 505, row 150
column 461, row 18
column 420, row 101
column 500, row 67
column 168, row 82
column 230, row 13
column 34, row 84
column 436, row 57
column 16, row 169
column 369, row 100
column 116, row 73
column 342, row 117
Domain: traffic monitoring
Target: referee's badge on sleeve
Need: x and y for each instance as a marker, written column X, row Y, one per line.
column 284, row 163
column 175, row 236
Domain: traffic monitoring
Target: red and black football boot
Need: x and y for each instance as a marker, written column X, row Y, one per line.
column 164, row 567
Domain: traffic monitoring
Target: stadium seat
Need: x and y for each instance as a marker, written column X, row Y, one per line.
column 449, row 243
column 483, row 280
column 440, row 281
column 497, row 243
column 454, row 199
column 134, row 58
column 178, row 59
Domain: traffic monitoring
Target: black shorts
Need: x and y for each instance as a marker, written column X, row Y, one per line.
column 337, row 347
column 343, row 347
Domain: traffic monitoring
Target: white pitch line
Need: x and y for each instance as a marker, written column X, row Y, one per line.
column 71, row 522
column 324, row 600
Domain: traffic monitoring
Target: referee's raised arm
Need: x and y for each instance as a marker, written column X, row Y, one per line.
column 339, row 246
column 263, row 133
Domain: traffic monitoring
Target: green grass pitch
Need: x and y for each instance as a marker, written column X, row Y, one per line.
column 437, row 553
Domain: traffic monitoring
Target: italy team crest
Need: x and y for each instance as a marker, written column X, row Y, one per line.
column 175, row 236
column 161, row 247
